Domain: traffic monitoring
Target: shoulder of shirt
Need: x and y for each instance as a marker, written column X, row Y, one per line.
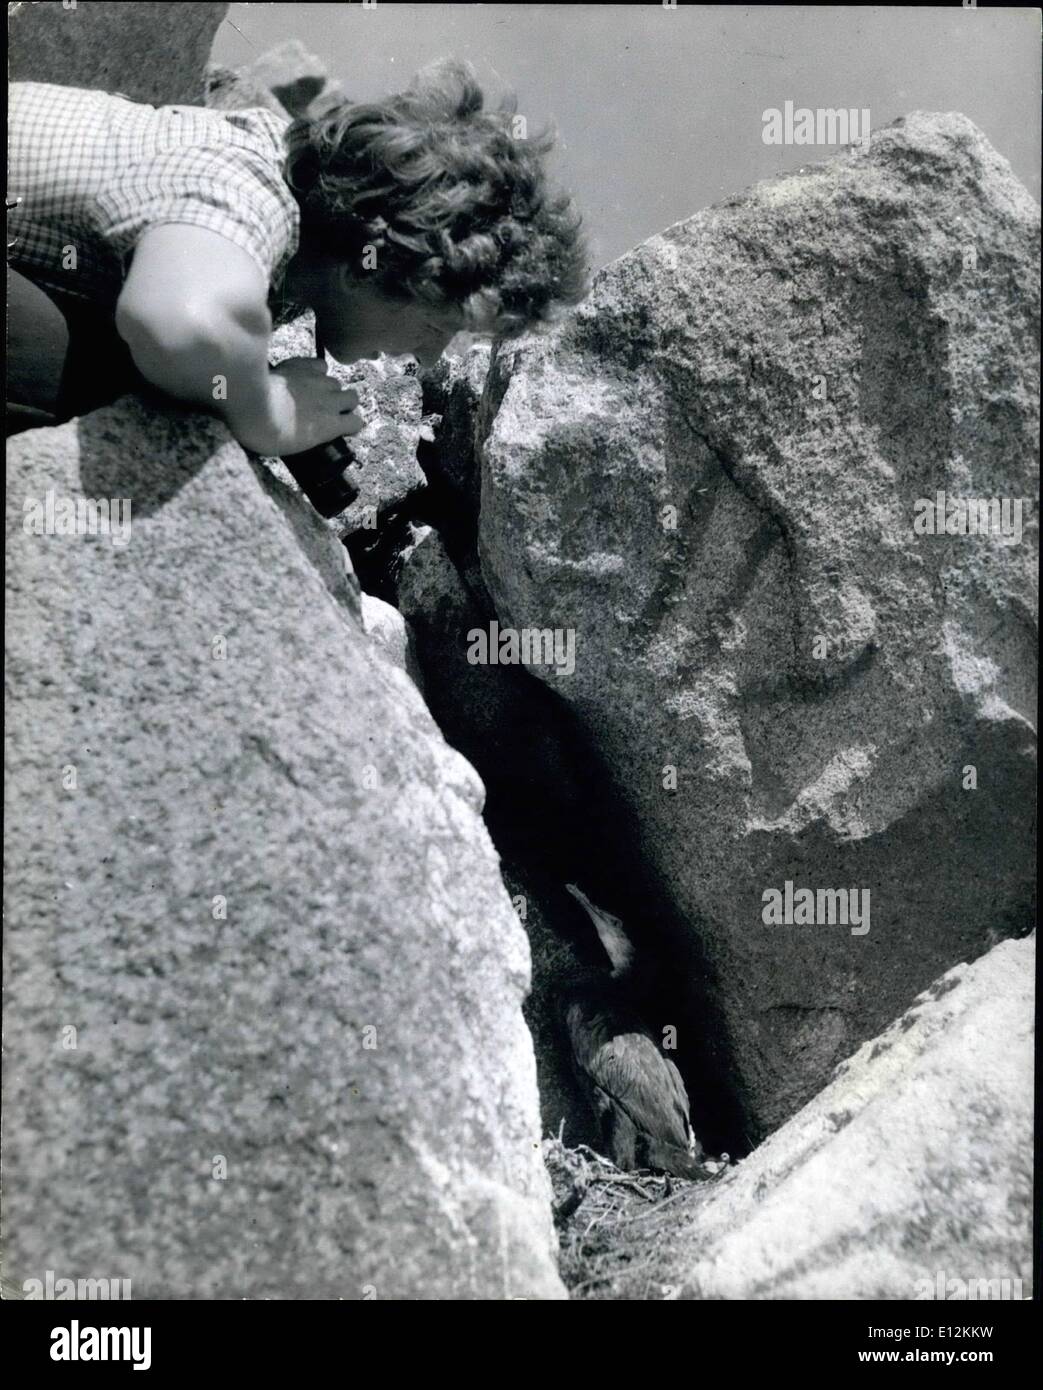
column 68, row 88
column 247, row 117
column 250, row 117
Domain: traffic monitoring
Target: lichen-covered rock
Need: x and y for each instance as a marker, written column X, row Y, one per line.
column 290, row 72
column 908, row 1177
column 156, row 53
column 263, row 982
column 710, row 475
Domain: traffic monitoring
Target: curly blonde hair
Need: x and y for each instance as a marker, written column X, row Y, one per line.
column 455, row 205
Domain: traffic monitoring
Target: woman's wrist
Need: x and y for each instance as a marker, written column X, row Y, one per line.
column 250, row 413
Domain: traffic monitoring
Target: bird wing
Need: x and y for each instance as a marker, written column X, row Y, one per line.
column 680, row 1096
column 647, row 1086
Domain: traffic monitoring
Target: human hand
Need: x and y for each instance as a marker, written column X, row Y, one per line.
column 305, row 407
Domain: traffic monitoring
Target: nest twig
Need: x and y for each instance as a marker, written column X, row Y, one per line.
column 617, row 1231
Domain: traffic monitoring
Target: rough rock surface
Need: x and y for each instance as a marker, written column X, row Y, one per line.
column 287, row 79
column 112, row 45
column 263, row 1034
column 294, row 76
column 539, row 806
column 791, row 371
column 387, row 627
column 229, row 89
column 453, row 392
column 908, row 1177
column 493, row 712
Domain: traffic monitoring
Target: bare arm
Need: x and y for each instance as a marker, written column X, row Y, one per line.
column 194, row 314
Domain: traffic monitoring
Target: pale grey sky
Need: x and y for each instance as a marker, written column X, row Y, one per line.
column 660, row 111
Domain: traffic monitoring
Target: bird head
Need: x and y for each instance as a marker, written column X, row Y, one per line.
column 618, row 946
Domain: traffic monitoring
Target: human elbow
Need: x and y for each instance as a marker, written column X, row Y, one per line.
column 182, row 332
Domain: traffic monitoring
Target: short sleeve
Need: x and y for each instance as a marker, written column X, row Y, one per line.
column 235, row 191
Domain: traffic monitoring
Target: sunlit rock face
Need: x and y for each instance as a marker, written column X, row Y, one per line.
column 909, row 1177
column 725, row 474
column 262, row 979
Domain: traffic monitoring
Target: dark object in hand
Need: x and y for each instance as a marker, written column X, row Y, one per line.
column 320, row 473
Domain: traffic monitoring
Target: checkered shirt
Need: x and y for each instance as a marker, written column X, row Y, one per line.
column 94, row 172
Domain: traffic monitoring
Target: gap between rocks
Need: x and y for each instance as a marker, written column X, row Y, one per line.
column 550, row 810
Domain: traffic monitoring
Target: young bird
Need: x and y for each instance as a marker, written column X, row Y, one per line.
column 637, row 1093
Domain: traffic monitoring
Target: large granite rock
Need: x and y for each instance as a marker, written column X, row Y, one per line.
column 709, row 474
column 263, row 1034
column 908, row 1177
column 155, row 53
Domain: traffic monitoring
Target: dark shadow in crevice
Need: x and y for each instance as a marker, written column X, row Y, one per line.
column 555, row 817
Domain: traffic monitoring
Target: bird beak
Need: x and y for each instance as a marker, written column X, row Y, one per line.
column 617, row 944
